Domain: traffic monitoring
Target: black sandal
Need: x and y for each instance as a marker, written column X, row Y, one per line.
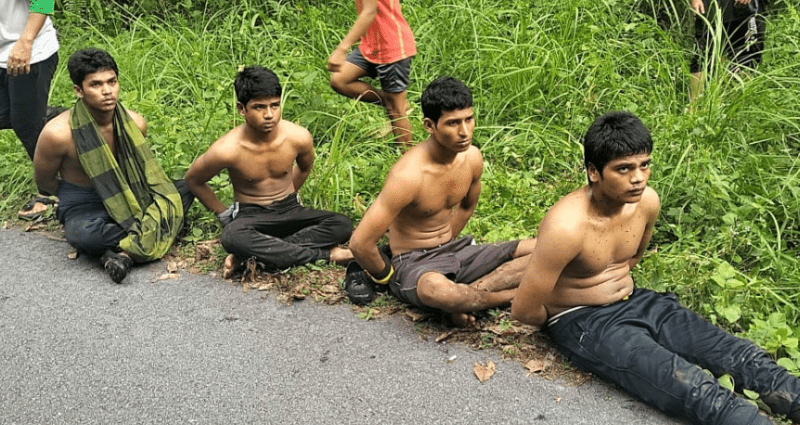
column 27, row 212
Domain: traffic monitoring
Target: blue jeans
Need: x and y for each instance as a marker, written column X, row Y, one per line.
column 656, row 349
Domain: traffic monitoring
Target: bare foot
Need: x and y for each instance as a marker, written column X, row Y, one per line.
column 462, row 320
column 341, row 255
column 229, row 266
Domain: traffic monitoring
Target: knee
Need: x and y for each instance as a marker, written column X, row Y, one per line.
column 338, row 82
column 232, row 238
column 84, row 237
column 396, row 104
column 432, row 289
column 342, row 228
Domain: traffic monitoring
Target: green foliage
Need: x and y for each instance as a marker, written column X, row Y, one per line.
column 727, row 169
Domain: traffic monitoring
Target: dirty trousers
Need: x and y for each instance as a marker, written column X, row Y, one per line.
column 656, row 349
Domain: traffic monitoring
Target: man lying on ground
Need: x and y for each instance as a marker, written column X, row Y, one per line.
column 268, row 160
column 115, row 201
column 429, row 195
column 579, row 288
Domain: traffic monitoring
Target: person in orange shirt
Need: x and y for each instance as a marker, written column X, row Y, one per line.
column 385, row 52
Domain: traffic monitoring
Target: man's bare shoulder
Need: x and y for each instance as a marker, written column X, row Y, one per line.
column 567, row 218
column 227, row 147
column 475, row 158
column 139, row 120
column 57, row 131
column 650, row 202
column 295, row 133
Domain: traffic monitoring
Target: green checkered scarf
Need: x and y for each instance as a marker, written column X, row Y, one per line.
column 135, row 190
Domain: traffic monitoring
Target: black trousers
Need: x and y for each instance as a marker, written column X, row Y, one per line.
column 23, row 101
column 284, row 234
column 87, row 225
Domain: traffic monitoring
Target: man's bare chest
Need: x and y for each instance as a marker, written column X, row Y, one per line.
column 441, row 194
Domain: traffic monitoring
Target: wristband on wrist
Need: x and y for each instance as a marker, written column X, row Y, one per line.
column 389, row 275
column 384, row 275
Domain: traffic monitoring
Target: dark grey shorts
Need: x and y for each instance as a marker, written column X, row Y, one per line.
column 393, row 76
column 460, row 260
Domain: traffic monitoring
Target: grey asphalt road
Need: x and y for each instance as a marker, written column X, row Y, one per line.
column 77, row 349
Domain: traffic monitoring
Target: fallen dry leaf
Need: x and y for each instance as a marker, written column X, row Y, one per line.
column 445, row 335
column 166, row 276
column 73, row 254
column 415, row 315
column 484, row 372
column 538, row 365
column 172, row 267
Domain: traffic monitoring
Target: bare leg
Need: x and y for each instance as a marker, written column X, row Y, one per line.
column 396, row 108
column 340, row 255
column 509, row 274
column 346, row 82
column 435, row 290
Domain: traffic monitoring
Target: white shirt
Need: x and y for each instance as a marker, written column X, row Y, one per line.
column 13, row 17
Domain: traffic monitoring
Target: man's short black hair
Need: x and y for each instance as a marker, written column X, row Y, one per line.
column 444, row 94
column 615, row 135
column 87, row 61
column 256, row 81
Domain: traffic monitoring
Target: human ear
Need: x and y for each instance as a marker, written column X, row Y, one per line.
column 594, row 175
column 429, row 125
column 241, row 108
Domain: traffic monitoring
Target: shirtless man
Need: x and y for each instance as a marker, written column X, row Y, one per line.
column 115, row 200
column 268, row 160
column 578, row 287
column 429, row 195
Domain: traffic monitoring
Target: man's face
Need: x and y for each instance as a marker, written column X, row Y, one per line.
column 262, row 113
column 99, row 90
column 454, row 129
column 624, row 179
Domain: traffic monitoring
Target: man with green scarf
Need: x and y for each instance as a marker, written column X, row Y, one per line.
column 115, row 200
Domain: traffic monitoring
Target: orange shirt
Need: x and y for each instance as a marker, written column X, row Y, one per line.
column 389, row 39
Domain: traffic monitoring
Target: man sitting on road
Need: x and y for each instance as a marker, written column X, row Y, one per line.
column 578, row 286
column 429, row 195
column 115, row 200
column 268, row 160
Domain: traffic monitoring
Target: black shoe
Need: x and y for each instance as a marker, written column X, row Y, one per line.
column 358, row 286
column 117, row 265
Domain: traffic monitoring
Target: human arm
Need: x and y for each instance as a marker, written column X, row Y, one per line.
column 304, row 161
column 698, row 6
column 49, row 155
column 557, row 244
column 19, row 58
column 200, row 172
column 397, row 193
column 650, row 205
column 369, row 9
column 464, row 210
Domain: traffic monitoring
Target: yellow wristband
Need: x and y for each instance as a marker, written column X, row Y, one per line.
column 388, row 276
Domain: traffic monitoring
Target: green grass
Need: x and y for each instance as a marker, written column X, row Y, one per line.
column 728, row 172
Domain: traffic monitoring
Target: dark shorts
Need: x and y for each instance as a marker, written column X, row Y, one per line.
column 460, row 260
column 393, row 76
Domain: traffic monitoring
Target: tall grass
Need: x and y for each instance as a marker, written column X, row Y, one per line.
column 727, row 171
